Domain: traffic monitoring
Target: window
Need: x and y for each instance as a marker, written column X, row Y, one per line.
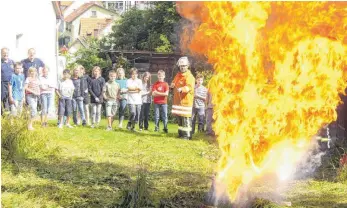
column 96, row 33
column 18, row 37
column 68, row 27
column 119, row 5
column 93, row 13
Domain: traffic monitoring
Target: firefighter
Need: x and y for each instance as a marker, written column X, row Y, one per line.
column 183, row 96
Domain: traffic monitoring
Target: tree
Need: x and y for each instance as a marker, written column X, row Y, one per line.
column 151, row 29
column 88, row 57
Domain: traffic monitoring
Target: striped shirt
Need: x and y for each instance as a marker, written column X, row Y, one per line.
column 201, row 92
column 33, row 85
column 146, row 93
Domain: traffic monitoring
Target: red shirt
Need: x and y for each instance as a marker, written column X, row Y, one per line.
column 160, row 87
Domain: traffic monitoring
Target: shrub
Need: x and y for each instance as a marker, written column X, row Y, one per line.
column 17, row 142
column 342, row 171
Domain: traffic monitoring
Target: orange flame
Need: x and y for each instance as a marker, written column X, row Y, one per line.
column 279, row 69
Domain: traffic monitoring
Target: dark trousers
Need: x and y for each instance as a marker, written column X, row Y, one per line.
column 135, row 111
column 184, row 127
column 4, row 97
column 144, row 115
column 200, row 113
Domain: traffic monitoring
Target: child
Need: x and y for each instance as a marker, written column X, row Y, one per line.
column 77, row 98
column 46, row 95
column 209, row 115
column 122, row 81
column 65, row 92
column 146, row 100
column 160, row 91
column 32, row 90
column 134, row 99
column 111, row 94
column 16, row 90
column 85, row 81
column 200, row 95
column 95, row 88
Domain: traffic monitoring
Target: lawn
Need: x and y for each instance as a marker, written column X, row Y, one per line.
column 96, row 168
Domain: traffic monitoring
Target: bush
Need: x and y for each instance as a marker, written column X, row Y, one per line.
column 17, row 142
column 342, row 171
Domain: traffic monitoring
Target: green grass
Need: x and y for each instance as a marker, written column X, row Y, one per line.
column 94, row 168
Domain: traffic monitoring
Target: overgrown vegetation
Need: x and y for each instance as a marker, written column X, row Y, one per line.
column 152, row 29
column 17, row 142
column 96, row 168
column 89, row 56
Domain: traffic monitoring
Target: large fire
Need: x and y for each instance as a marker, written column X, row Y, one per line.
column 279, row 68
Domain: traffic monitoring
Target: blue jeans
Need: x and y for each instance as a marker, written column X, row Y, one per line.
column 32, row 102
column 122, row 108
column 46, row 103
column 78, row 103
column 163, row 108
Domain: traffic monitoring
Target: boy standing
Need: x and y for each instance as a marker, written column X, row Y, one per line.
column 65, row 92
column 200, row 95
column 160, row 91
column 111, row 94
column 77, row 98
column 16, row 90
column 134, row 99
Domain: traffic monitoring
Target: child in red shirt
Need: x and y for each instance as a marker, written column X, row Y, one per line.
column 160, row 91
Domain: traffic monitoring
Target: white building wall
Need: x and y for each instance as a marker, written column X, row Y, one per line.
column 38, row 31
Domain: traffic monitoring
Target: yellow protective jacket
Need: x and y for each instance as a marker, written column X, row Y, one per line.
column 183, row 101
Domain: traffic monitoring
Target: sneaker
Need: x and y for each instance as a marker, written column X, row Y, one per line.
column 60, row 126
column 30, row 128
column 69, row 126
column 84, row 123
column 108, row 129
column 120, row 126
column 141, row 129
column 166, row 131
column 156, row 130
column 146, row 129
column 92, row 126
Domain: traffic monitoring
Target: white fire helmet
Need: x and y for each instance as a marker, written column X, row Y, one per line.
column 183, row 61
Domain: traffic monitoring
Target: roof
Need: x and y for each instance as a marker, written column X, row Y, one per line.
column 65, row 3
column 88, row 25
column 71, row 17
column 57, row 10
column 82, row 40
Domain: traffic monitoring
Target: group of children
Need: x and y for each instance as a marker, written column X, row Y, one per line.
column 79, row 93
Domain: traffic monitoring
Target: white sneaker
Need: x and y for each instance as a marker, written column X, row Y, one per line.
column 69, row 126
column 108, row 129
column 60, row 126
column 120, row 126
column 92, row 126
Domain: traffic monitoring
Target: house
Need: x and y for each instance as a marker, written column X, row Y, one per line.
column 89, row 19
column 37, row 29
column 123, row 6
